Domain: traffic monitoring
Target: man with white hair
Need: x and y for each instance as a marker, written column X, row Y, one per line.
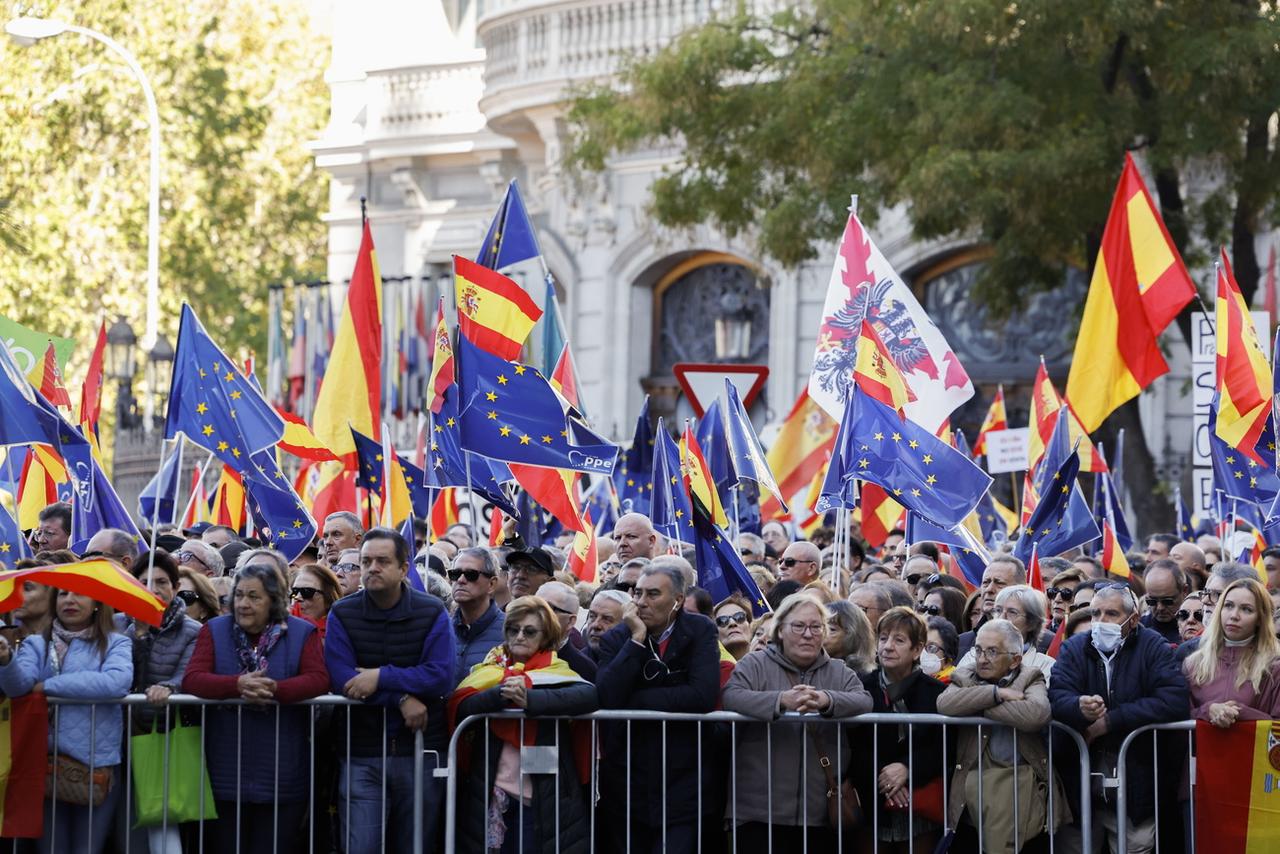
column 199, row 557
column 564, row 602
column 342, row 530
column 605, row 612
column 1106, row 684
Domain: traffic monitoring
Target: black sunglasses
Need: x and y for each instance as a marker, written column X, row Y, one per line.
column 725, row 620
column 344, row 568
column 931, row 610
column 471, row 575
column 789, row 562
column 521, row 631
column 625, row 586
column 304, row 593
column 915, row 578
column 1059, row 593
column 1184, row 615
column 1166, row 601
column 189, row 597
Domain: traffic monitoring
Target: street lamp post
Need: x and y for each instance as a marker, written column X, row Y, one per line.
column 27, row 31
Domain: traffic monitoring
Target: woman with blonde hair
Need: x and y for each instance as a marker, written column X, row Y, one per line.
column 1235, row 673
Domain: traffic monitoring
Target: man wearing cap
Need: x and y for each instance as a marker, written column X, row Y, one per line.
column 527, row 571
column 477, row 622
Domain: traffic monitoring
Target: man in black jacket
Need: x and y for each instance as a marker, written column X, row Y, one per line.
column 666, row 660
column 1107, row 684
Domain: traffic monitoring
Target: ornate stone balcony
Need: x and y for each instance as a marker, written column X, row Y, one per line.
column 425, row 101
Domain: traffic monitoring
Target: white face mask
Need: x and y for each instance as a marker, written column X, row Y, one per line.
column 1106, row 637
column 931, row 664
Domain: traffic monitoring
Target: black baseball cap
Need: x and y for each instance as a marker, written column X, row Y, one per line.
column 537, row 557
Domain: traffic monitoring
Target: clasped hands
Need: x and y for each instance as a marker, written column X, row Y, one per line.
column 804, row 698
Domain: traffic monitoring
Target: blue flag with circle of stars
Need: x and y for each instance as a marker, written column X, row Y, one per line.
column 369, row 474
column 710, row 433
column 969, row 555
column 509, row 412
column 447, row 462
column 13, row 546
column 1236, row 474
column 1106, row 505
column 633, row 478
column 671, row 511
column 839, row 486
column 921, row 472
column 1061, row 519
column 721, row 571
column 278, row 514
column 212, row 402
column 510, row 238
column 103, row 509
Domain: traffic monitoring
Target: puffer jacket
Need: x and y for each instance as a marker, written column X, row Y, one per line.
column 968, row 696
column 754, row 690
column 159, row 658
column 559, row 797
column 88, row 734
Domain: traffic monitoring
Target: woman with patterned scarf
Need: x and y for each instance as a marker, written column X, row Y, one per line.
column 261, row 655
column 502, row 809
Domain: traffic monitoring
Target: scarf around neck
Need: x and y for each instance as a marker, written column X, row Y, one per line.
column 62, row 638
column 252, row 655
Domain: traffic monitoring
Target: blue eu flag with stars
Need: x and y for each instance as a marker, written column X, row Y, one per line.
column 212, row 402
column 633, row 478
column 13, row 546
column 1061, row 519
column 279, row 516
column 447, row 462
column 671, row 511
column 720, row 568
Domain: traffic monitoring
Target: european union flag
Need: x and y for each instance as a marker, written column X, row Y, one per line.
column 1236, row 474
column 921, row 472
column 13, row 546
column 633, row 479
column 748, row 519
column 839, row 488
column 747, row 453
column 509, row 412
column 534, row 524
column 279, row 515
column 26, row 417
column 447, row 462
column 1061, row 519
column 96, row 506
column 671, row 511
column 1185, row 530
column 602, row 502
column 162, row 489
column 720, row 568
column 969, row 555
column 213, row 403
column 369, row 473
column 510, row 238
column 710, row 433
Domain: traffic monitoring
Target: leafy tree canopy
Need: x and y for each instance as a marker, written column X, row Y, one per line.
column 1002, row 121
column 240, row 91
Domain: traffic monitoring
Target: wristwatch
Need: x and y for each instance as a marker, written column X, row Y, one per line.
column 403, row 697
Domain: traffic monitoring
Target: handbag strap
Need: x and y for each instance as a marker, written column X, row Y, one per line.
column 824, row 761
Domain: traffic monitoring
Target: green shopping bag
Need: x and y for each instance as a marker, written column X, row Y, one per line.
column 188, row 777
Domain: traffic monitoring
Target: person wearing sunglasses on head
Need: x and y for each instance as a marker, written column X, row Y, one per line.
column 477, row 620
column 314, row 590
column 1167, row 586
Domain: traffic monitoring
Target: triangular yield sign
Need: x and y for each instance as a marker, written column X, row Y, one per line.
column 703, row 382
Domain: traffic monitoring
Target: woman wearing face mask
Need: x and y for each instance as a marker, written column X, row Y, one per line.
column 939, row 657
column 1235, row 673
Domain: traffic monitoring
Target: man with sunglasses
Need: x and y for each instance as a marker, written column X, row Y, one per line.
column 1167, row 587
column 801, row 563
column 477, row 622
column 664, row 659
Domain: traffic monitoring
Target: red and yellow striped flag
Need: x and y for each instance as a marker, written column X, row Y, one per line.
column 583, row 555
column 1238, row 787
column 42, row 473
column 46, row 377
column 801, row 448
column 24, row 733
column 104, row 581
column 1139, row 285
column 1113, row 559
column 350, row 397
column 299, row 440
column 880, row 514
column 1244, row 377
column 442, row 364
column 494, row 313
column 444, row 512
column 875, row 373
column 228, row 503
column 563, row 379
column 997, row 419
column 698, row 482
column 1045, row 404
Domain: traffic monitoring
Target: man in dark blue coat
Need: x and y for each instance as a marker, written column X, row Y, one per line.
column 477, row 622
column 1107, row 684
column 660, row 659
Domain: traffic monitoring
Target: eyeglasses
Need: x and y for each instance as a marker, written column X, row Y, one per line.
column 726, row 620
column 935, row 649
column 805, row 629
column 521, row 631
column 471, row 575
column 189, row 597
column 304, row 593
column 986, row 654
column 1007, row 613
column 1064, row 593
column 1210, row 597
column 1184, row 615
column 185, row 556
column 625, row 586
column 914, row 578
column 789, row 562
column 345, row 568
column 931, row 610
column 1159, row 601
column 562, row 612
column 897, row 558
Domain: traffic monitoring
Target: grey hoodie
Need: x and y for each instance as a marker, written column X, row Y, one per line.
column 753, row 690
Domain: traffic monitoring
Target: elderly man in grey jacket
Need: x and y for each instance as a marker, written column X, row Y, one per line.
column 792, row 674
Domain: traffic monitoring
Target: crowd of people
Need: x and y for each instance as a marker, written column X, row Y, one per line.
column 506, row 628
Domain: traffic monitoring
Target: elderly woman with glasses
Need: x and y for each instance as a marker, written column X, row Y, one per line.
column 1191, row 617
column 794, row 673
column 502, row 808
column 1025, row 608
column 263, row 656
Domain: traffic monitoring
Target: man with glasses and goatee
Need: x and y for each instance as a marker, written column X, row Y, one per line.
column 477, row 622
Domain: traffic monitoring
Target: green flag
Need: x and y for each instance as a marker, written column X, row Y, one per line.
column 28, row 345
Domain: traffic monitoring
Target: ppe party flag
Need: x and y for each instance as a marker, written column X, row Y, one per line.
column 1139, row 285
column 510, row 413
column 299, row 440
column 96, row 506
column 24, row 734
column 494, row 313
column 864, row 287
column 799, row 451
column 633, row 479
column 997, row 419
column 1237, row 770
column 510, row 238
column 442, row 367
column 48, row 379
column 213, row 403
column 747, row 453
column 1243, row 375
column 350, row 396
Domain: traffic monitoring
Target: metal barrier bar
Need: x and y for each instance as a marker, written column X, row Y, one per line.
column 1122, row 780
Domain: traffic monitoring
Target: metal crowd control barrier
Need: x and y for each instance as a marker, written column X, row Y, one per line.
column 1121, row 781
column 546, row 760
column 169, row 714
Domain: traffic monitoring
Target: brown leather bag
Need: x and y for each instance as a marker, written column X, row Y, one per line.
column 71, row 781
column 845, row 810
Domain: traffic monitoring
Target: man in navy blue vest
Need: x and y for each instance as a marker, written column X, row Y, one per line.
column 392, row 648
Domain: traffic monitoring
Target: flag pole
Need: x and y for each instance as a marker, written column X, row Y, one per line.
column 192, row 500
column 178, row 485
column 155, row 514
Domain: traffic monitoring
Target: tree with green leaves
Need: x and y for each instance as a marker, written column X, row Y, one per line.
column 1002, row 122
column 240, row 89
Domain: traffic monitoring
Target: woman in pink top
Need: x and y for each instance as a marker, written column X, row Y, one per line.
column 1235, row 674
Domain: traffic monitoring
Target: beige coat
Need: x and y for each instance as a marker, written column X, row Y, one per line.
column 969, row 696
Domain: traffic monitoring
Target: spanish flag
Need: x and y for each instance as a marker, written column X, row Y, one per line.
column 104, row 581
column 43, row 472
column 698, row 482
column 1045, row 406
column 801, row 448
column 1113, row 559
column 299, row 440
column 880, row 514
column 24, row 733
column 494, row 313
column 583, row 556
column 350, row 397
column 91, row 391
column 228, row 502
column 444, row 512
column 1139, row 285
column 442, row 365
column 554, row 490
column 326, row 488
column 1238, row 787
column 46, row 377
column 876, row 374
column 563, row 379
column 997, row 419
column 1244, row 378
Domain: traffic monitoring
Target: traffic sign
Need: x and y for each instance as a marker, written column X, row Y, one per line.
column 703, row 382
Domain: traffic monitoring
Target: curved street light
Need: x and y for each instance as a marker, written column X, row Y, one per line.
column 27, row 31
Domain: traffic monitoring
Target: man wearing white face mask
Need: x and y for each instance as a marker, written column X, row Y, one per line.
column 1106, row 684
